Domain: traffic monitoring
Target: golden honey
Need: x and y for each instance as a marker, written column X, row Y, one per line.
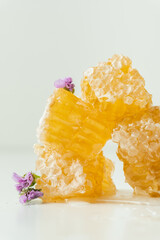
column 65, row 175
column 115, row 88
column 138, row 141
column 74, row 125
column 71, row 135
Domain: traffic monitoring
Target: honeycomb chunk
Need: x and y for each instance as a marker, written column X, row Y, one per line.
column 117, row 89
column 74, row 125
column 138, row 141
column 65, row 175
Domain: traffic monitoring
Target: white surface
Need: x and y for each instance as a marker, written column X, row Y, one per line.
column 43, row 40
column 71, row 221
column 80, row 221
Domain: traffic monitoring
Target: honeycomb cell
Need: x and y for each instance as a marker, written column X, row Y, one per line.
column 115, row 88
column 138, row 141
column 74, row 125
column 65, row 175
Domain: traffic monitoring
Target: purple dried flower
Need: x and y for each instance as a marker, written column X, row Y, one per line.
column 65, row 83
column 34, row 194
column 29, row 178
column 23, row 198
column 25, row 187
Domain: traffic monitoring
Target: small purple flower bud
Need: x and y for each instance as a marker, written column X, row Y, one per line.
column 19, row 187
column 60, row 83
column 34, row 194
column 39, row 194
column 29, row 178
column 68, row 80
column 72, row 87
column 23, row 198
column 25, row 184
column 22, row 185
column 68, row 85
column 17, row 178
column 30, row 195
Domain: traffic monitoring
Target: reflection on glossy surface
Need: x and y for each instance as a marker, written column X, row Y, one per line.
column 73, row 220
column 128, row 197
column 76, row 220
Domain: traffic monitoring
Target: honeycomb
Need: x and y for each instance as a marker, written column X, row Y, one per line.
column 71, row 135
column 74, row 125
column 65, row 175
column 138, row 141
column 115, row 88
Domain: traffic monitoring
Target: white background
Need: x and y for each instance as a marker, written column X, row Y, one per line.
column 41, row 41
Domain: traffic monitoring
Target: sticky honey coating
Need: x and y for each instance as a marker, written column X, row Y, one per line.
column 138, row 141
column 115, row 88
column 65, row 175
column 74, row 125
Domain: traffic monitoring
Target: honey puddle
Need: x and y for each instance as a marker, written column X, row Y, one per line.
column 128, row 197
column 121, row 197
